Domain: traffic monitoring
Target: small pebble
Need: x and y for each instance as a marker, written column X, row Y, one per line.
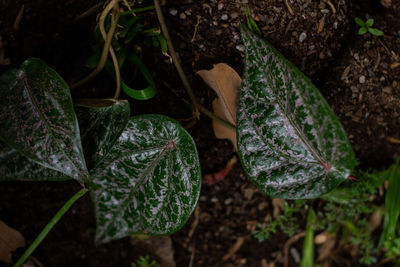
column 173, row 12
column 302, row 37
column 324, row 11
column 214, row 199
column 228, row 201
column 220, row 6
column 187, row 12
column 387, row 90
column 182, row 16
column 224, row 17
column 361, row 79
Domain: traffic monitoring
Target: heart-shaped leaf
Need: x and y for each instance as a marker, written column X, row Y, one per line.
column 149, row 182
column 290, row 142
column 38, row 120
column 100, row 127
column 14, row 166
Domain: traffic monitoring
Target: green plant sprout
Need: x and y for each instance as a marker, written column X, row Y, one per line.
column 367, row 27
column 286, row 221
column 251, row 24
column 144, row 262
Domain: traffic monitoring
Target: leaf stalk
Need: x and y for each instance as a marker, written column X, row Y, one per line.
column 50, row 226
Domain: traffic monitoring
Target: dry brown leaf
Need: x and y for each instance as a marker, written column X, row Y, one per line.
column 221, row 131
column 10, row 240
column 226, row 83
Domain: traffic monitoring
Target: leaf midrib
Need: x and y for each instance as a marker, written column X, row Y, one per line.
column 294, row 125
column 137, row 185
column 47, row 126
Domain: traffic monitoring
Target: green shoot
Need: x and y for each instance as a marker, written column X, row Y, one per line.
column 367, row 27
column 307, row 258
column 251, row 24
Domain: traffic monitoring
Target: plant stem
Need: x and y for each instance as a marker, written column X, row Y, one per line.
column 107, row 45
column 114, row 22
column 175, row 59
column 205, row 111
column 49, row 226
column 216, row 118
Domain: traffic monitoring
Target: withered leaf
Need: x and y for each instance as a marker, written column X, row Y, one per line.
column 226, row 82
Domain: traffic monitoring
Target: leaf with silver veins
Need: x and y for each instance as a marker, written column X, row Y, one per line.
column 149, row 182
column 290, row 142
column 16, row 167
column 101, row 128
column 38, row 120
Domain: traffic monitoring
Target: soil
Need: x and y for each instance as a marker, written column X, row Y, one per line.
column 358, row 75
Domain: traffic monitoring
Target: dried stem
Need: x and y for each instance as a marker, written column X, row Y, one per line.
column 106, row 47
column 176, row 61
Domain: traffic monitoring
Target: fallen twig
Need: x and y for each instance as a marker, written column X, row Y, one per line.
column 288, row 244
column 88, row 12
column 238, row 244
column 289, row 7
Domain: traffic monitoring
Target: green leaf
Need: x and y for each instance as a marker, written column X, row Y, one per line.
column 290, row 142
column 38, row 120
column 375, row 32
column 392, row 202
column 362, row 30
column 150, row 181
column 100, row 127
column 307, row 258
column 360, row 22
column 16, row 167
column 369, row 22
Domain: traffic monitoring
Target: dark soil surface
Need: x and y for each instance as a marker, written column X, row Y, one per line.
column 358, row 75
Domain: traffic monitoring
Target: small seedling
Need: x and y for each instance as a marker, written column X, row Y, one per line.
column 144, row 262
column 251, row 22
column 367, row 27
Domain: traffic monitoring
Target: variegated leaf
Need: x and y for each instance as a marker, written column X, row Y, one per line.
column 149, row 182
column 38, row 120
column 290, row 142
column 101, row 127
column 16, row 167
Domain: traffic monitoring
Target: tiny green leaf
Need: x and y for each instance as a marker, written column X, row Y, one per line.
column 392, row 202
column 16, row 167
column 101, row 127
column 290, row 142
column 375, row 32
column 362, row 30
column 369, row 23
column 149, row 182
column 360, row 22
column 38, row 120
